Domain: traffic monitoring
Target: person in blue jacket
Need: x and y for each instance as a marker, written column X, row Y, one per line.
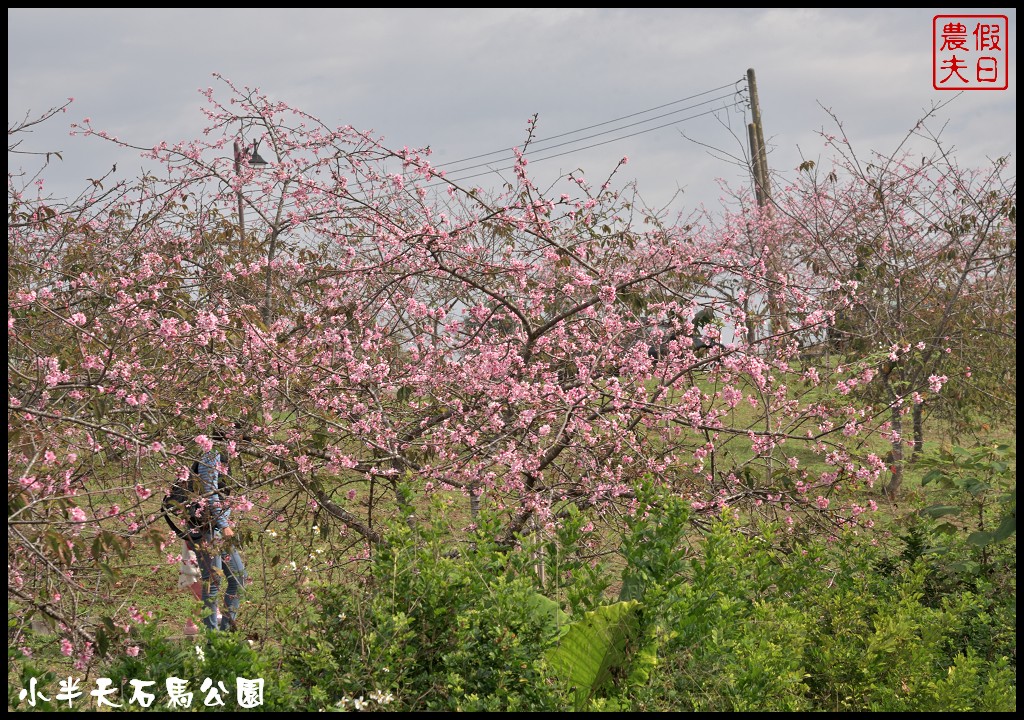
column 215, row 552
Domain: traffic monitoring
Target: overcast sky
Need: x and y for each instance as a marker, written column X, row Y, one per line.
column 466, row 81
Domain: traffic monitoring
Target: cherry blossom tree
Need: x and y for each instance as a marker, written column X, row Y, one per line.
column 929, row 249
column 369, row 333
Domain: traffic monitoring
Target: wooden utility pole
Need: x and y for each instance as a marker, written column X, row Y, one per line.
column 758, row 154
column 762, row 189
column 755, row 166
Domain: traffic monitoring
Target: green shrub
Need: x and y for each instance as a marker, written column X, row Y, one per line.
column 735, row 622
column 822, row 628
column 221, row 657
column 433, row 629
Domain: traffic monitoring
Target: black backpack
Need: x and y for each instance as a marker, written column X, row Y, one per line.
column 187, row 500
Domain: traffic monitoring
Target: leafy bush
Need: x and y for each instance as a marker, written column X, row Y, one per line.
column 220, row 657
column 822, row 628
column 433, row 628
column 982, row 487
column 728, row 621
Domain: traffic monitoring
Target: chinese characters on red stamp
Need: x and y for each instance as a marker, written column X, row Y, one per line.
column 970, row 52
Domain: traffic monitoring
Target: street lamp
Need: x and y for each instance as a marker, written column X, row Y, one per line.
column 255, row 160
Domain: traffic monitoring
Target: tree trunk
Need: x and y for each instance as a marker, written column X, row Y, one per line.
column 918, row 430
column 896, row 456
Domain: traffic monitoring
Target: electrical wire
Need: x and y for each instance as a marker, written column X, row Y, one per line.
column 595, row 135
column 600, row 124
column 534, row 160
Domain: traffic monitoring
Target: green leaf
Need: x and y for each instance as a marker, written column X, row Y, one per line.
column 964, row 566
column 544, row 607
column 644, row 663
column 102, row 640
column 593, row 647
column 980, row 538
column 937, row 511
column 975, row 486
column 633, row 586
column 1006, row 528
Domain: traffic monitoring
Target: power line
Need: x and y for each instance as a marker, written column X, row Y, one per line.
column 596, row 125
column 590, row 137
column 737, row 103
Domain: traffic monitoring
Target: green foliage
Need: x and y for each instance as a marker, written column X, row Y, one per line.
column 613, row 649
column 983, row 485
column 821, row 628
column 962, row 540
column 437, row 628
column 594, row 648
column 572, row 577
column 735, row 622
column 221, row 657
column 732, row 648
column 19, row 696
column 652, row 545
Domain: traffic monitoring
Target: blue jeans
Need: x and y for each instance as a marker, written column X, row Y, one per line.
column 214, row 562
